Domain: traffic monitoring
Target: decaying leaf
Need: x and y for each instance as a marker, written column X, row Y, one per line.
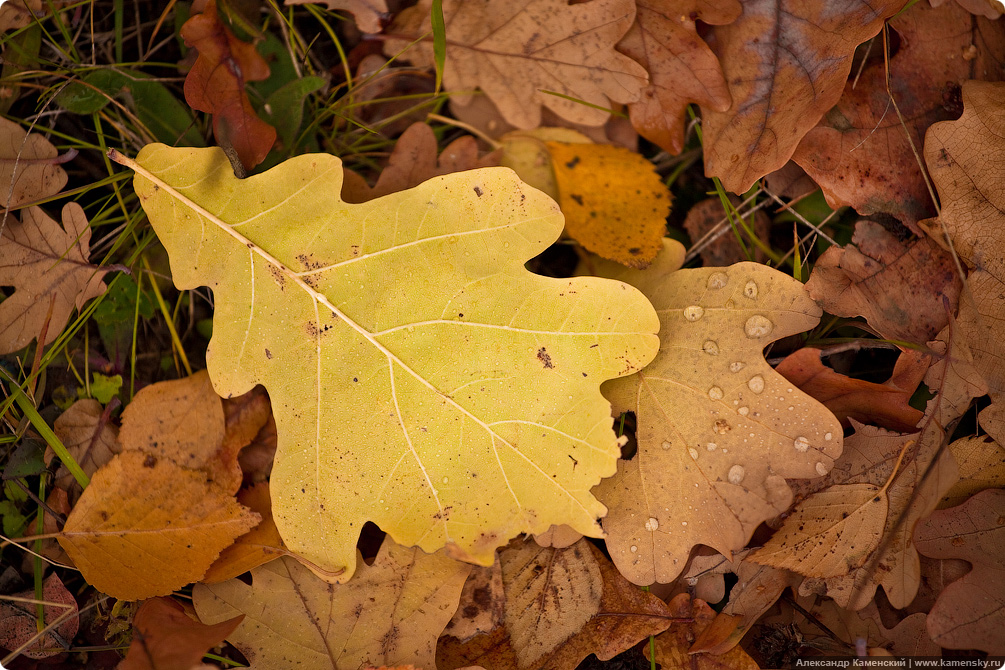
column 682, row 69
column 366, row 12
column 615, row 204
column 786, row 62
column 674, row 647
column 990, row 9
column 413, row 161
column 258, row 546
column 19, row 622
column 47, row 265
column 718, row 429
column 900, row 287
column 970, row 613
column 861, row 153
column 91, row 438
column 145, row 526
column 981, row 461
column 410, row 317
column 29, row 164
column 554, row 608
column 165, row 638
column 504, row 49
column 708, row 217
column 215, row 84
column 390, row 614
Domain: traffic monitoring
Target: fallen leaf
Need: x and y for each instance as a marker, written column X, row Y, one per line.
column 724, row 249
column 673, row 647
column 422, row 328
column 258, row 546
column 786, row 62
column 558, row 537
column 900, row 287
column 19, row 622
column 90, row 437
column 29, row 164
column 164, row 638
column 367, row 13
column 981, row 461
column 413, row 161
column 215, row 84
column 861, row 153
column 883, row 405
column 910, row 638
column 990, row 9
column 246, row 417
column 558, row 607
column 139, row 509
column 682, row 69
column 502, row 49
column 970, row 613
column 615, row 204
column 526, row 153
column 390, row 614
column 47, row 266
column 718, row 429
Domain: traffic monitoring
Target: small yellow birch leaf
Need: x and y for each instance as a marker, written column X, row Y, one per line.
column 390, row 614
column 145, row 527
column 718, row 429
column 615, row 204
column 420, row 376
column 830, row 533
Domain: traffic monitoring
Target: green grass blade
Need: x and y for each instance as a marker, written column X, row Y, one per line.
column 439, row 40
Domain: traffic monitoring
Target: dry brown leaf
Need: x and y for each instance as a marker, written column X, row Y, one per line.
column 258, row 546
column 682, row 69
column 970, row 613
column 718, row 429
column 368, row 13
column 47, row 266
column 413, row 161
column 91, row 438
column 860, row 153
column 724, row 249
column 990, row 9
column 674, row 647
column 614, row 203
column 29, row 164
column 164, row 638
column 884, row 405
column 558, row 537
column 390, row 613
column 899, row 286
column 145, row 527
column 786, row 62
column 504, row 49
column 559, row 606
column 245, row 417
column 911, row 638
column 981, row 461
column 19, row 623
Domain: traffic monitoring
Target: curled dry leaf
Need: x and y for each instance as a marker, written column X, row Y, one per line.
column 970, row 613
column 86, row 430
column 215, row 84
column 47, row 266
column 682, row 69
column 165, row 638
column 718, row 429
column 900, row 287
column 140, row 508
column 554, row 608
column 861, row 153
column 782, row 84
column 390, row 614
column 482, row 379
column 501, row 48
column 368, row 13
column 674, row 647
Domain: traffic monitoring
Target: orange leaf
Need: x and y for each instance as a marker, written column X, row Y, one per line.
column 258, row 546
column 215, row 84
column 164, row 638
column 673, row 647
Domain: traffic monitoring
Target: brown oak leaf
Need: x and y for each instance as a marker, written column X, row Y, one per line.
column 366, row 12
column 165, row 638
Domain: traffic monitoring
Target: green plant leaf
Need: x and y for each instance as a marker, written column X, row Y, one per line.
column 420, row 376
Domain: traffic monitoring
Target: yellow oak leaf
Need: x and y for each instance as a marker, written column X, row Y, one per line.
column 420, row 376
column 390, row 614
column 719, row 430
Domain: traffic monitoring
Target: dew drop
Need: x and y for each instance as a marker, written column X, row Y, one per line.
column 743, row 411
column 683, row 523
column 750, row 289
column 821, row 469
column 756, row 383
column 633, row 548
column 693, row 312
column 757, row 327
column 693, row 452
column 446, row 480
column 711, row 446
column 736, row 474
column 652, row 524
column 801, row 444
column 666, row 444
column 828, row 437
column 717, row 280
column 715, row 393
column 710, row 347
column 737, row 366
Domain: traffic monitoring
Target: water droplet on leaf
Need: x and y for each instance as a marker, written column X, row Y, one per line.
column 717, row 280
column 801, row 444
column 756, row 383
column 757, row 327
column 736, row 474
column 693, row 312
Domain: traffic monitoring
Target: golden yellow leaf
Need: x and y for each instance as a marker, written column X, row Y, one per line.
column 526, row 153
column 145, row 527
column 390, row 614
column 615, row 204
column 256, row 547
column 410, row 318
